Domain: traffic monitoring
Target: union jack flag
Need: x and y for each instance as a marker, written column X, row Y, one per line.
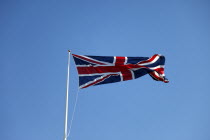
column 97, row 70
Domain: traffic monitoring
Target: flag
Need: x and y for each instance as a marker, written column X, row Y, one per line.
column 97, row 70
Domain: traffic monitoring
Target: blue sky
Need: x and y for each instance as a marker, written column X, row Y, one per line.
column 35, row 37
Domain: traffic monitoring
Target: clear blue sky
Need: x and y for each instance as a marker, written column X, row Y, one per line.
column 35, row 37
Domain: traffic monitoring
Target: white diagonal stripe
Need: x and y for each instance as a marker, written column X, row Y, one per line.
column 92, row 60
column 94, row 74
column 156, row 58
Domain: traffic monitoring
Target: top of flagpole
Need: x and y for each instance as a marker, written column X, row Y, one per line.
column 69, row 51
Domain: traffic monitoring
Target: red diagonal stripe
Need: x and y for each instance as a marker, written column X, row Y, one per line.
column 160, row 70
column 89, row 60
column 98, row 81
column 149, row 60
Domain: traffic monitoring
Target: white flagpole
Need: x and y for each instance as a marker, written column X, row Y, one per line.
column 67, row 99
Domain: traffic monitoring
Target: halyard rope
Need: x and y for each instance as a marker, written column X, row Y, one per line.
column 73, row 113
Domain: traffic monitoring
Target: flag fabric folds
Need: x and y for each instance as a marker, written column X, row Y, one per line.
column 97, row 70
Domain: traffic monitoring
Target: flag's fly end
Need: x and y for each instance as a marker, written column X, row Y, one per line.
column 166, row 80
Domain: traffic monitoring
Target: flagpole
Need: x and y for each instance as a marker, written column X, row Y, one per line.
column 67, row 99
